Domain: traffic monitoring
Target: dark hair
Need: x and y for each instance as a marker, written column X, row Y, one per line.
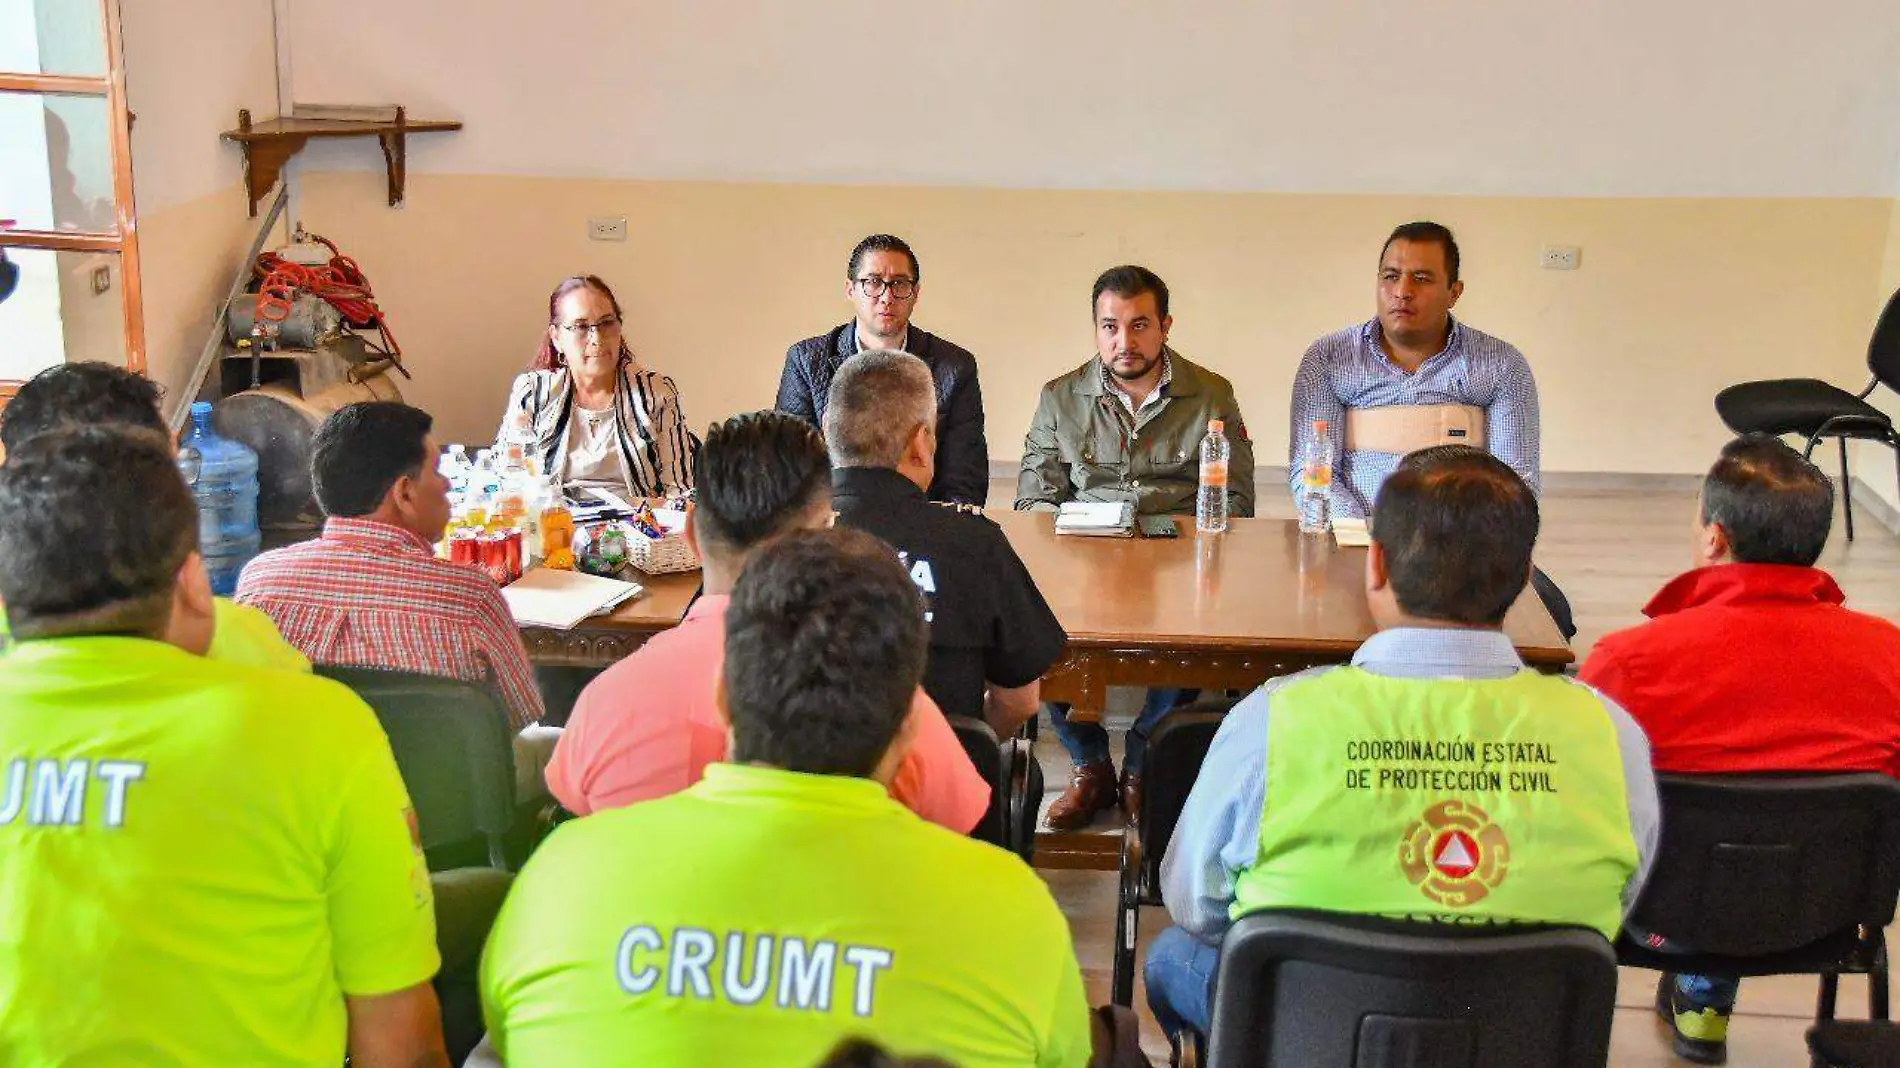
column 94, row 524
column 1427, row 233
column 1775, row 506
column 825, row 644
column 1457, row 526
column 877, row 401
column 361, row 450
column 80, row 394
column 1128, row 282
column 864, row 1053
column 549, row 358
column 754, row 475
column 881, row 243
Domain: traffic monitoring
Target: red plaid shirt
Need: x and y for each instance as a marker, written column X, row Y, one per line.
column 368, row 594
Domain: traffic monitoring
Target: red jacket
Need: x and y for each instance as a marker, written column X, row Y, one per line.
column 1757, row 667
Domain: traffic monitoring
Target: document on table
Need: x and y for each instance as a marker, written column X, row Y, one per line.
column 545, row 597
column 1101, row 519
column 1351, row 533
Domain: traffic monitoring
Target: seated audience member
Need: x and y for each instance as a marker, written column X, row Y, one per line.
column 1403, row 783
column 1127, row 425
column 649, row 726
column 1751, row 663
column 370, row 591
column 991, row 633
column 883, row 281
column 591, row 413
column 785, row 901
column 205, row 863
column 100, row 394
column 1411, row 377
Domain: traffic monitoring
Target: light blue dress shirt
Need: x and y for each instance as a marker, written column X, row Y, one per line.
column 1219, row 831
column 1350, row 370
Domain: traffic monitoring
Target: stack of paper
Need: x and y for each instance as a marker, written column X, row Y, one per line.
column 547, row 598
column 1351, row 533
column 1105, row 519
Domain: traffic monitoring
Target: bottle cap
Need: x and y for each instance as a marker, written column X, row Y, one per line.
column 201, row 407
column 1215, row 426
column 1319, row 425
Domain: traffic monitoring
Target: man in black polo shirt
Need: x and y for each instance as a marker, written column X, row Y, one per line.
column 991, row 633
column 883, row 282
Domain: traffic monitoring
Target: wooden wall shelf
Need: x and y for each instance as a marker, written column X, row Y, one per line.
column 269, row 144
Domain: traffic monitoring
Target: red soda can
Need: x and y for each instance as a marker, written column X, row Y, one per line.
column 511, row 542
column 495, row 558
column 465, row 547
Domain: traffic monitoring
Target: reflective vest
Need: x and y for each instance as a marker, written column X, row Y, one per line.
column 1454, row 799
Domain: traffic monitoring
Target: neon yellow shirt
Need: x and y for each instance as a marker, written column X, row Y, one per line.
column 759, row 917
column 197, row 860
column 240, row 635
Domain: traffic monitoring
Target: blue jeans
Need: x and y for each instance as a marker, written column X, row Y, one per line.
column 1087, row 743
column 1180, row 977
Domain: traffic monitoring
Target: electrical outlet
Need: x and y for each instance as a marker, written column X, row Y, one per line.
column 1561, row 257
column 607, row 228
column 101, row 279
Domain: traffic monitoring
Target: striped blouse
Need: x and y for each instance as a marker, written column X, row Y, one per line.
column 656, row 449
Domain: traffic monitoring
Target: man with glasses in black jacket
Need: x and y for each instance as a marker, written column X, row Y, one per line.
column 883, row 281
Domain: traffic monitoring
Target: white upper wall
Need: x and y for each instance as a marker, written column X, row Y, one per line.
column 1608, row 97
column 189, row 66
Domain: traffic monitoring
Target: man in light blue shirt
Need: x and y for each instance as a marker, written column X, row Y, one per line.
column 1414, row 358
column 1452, row 538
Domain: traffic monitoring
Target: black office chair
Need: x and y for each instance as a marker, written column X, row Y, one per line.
column 1855, row 1044
column 1774, row 875
column 1305, row 989
column 1815, row 409
column 1004, row 765
column 1175, row 753
column 454, row 749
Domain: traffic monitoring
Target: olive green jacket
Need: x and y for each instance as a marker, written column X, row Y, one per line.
column 1084, row 446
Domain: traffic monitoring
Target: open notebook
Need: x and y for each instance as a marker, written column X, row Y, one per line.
column 1100, row 519
column 561, row 599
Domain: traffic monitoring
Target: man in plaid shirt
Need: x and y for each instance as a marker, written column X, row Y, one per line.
column 370, row 592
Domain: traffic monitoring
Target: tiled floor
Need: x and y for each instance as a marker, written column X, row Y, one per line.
column 1610, row 551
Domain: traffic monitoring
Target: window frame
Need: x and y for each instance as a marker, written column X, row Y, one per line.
column 123, row 240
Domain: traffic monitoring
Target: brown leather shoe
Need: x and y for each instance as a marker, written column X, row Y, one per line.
column 1091, row 789
column 1131, row 795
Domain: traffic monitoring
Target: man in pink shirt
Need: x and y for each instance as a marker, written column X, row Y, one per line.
column 649, row 725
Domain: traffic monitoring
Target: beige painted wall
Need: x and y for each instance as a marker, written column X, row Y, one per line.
column 1675, row 299
column 188, row 254
column 194, row 224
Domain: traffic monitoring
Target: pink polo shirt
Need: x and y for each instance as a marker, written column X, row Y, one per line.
column 647, row 727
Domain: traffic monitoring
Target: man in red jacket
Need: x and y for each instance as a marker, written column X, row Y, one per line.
column 1750, row 663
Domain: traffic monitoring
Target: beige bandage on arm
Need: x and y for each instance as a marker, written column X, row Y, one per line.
column 1403, row 428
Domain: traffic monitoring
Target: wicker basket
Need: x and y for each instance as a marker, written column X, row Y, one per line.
column 661, row 556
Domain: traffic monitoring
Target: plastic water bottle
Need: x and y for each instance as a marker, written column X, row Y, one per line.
column 1210, row 505
column 455, row 466
column 1316, row 479
column 223, row 477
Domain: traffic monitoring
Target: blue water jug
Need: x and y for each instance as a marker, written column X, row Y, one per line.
column 223, row 477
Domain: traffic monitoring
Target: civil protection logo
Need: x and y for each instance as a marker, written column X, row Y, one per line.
column 1454, row 854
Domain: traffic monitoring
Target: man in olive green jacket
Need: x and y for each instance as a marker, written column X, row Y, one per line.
column 1127, row 426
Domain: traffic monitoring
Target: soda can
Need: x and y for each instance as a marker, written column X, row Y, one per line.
column 465, row 547
column 495, row 558
column 511, row 543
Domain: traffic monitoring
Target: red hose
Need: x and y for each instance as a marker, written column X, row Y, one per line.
column 340, row 283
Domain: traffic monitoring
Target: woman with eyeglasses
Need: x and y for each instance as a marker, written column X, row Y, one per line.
column 593, row 415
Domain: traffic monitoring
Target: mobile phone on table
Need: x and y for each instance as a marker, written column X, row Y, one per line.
column 1157, row 526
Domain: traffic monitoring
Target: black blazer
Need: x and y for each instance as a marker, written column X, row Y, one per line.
column 963, row 456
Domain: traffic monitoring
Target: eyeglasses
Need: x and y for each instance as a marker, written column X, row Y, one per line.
column 872, row 286
column 579, row 330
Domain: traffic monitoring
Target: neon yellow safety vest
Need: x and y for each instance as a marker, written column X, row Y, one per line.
column 1455, row 799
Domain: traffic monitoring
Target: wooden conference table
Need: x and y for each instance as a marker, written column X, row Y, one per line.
column 1221, row 612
